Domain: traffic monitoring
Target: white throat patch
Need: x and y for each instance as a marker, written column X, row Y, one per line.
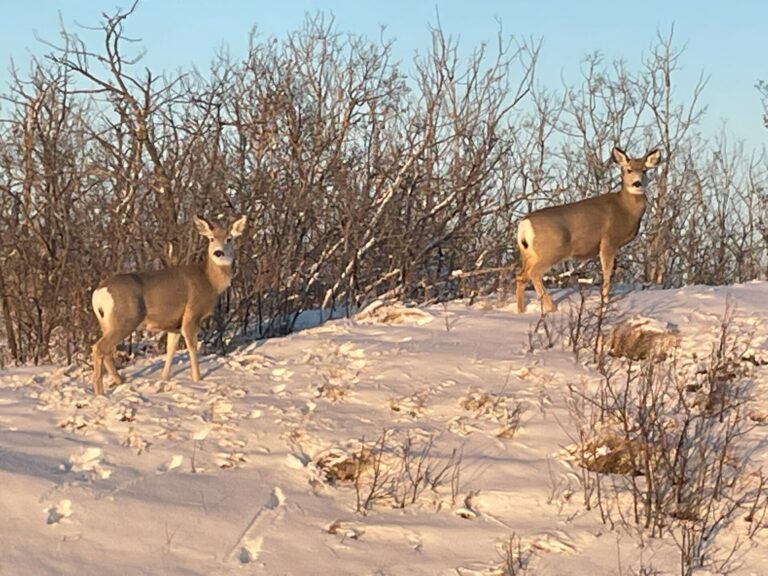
column 222, row 260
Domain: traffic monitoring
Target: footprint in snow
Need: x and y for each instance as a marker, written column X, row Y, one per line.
column 89, row 462
column 555, row 543
column 250, row 550
column 176, row 461
column 249, row 546
column 281, row 374
column 58, row 512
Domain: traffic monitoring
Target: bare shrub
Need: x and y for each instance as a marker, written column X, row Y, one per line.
column 670, row 440
column 515, row 558
column 364, row 177
column 582, row 329
column 544, row 334
column 495, row 407
column 398, row 469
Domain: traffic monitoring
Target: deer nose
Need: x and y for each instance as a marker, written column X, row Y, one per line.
column 637, row 184
column 218, row 253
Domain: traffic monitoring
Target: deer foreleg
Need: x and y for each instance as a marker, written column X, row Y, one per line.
column 607, row 258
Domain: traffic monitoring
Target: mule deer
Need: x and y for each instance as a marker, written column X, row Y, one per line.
column 599, row 225
column 174, row 300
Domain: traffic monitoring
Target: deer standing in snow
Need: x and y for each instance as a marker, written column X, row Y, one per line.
column 594, row 226
column 174, row 300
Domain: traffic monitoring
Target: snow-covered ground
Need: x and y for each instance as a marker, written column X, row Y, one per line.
column 251, row 470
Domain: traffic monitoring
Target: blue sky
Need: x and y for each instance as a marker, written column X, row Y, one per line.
column 728, row 41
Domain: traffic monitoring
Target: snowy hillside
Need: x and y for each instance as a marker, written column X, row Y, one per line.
column 403, row 441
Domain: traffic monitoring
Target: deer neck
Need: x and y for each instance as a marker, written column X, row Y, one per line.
column 632, row 203
column 219, row 276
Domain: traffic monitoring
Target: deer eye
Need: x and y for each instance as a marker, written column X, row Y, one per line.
column 229, row 240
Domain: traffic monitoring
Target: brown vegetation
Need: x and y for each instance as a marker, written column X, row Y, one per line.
column 362, row 176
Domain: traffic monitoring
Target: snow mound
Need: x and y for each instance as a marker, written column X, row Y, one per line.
column 379, row 312
column 640, row 337
column 390, row 444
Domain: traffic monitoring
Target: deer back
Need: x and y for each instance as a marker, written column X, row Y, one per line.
column 160, row 298
column 576, row 230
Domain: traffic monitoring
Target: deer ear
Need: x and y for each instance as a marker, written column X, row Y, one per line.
column 652, row 158
column 203, row 227
column 619, row 156
column 238, row 227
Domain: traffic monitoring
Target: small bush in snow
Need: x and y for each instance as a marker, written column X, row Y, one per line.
column 398, row 469
column 662, row 447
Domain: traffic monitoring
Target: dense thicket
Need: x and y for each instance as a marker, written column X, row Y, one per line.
column 360, row 175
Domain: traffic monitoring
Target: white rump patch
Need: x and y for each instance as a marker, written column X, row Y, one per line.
column 525, row 234
column 103, row 304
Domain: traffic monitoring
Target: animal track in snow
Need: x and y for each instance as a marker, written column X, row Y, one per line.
column 412, row 405
column 281, row 374
column 557, row 543
column 230, row 460
column 88, row 461
column 339, row 367
column 59, row 512
column 250, row 543
column 251, row 362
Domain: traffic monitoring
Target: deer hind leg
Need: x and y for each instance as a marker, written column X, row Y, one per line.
column 529, row 260
column 109, row 362
column 171, row 343
column 103, row 355
column 536, row 272
column 607, row 258
column 189, row 329
column 98, row 377
column 532, row 269
column 520, row 281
